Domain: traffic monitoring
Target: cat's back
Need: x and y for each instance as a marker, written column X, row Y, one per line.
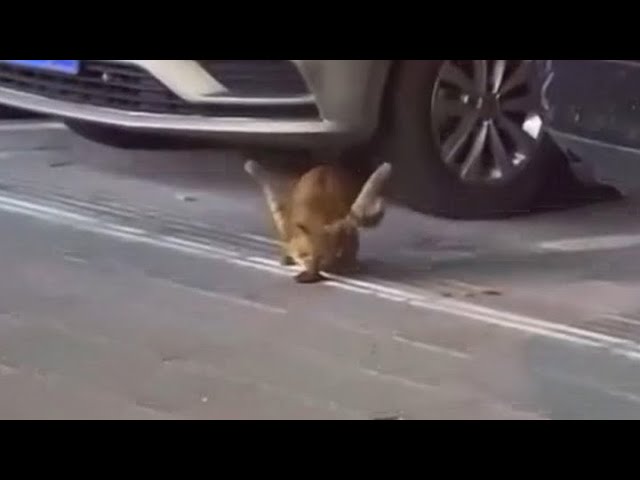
column 325, row 192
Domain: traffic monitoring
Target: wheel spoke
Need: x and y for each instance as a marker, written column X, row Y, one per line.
column 453, row 143
column 498, row 152
column 488, row 117
column 524, row 104
column 518, row 77
column 473, row 161
column 524, row 143
column 451, row 108
column 480, row 76
column 498, row 75
column 452, row 74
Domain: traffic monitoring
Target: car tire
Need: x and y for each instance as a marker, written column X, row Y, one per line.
column 423, row 140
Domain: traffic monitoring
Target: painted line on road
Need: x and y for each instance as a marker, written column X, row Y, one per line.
column 224, row 297
column 622, row 319
column 588, row 244
column 259, row 238
column 97, row 225
column 431, row 348
column 352, row 283
column 425, row 300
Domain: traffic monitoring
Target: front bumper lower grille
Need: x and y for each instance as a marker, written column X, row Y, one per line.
column 128, row 87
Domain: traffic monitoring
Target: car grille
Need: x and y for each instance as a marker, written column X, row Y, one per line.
column 248, row 78
column 130, row 88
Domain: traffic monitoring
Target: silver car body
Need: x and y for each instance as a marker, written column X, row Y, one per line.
column 346, row 96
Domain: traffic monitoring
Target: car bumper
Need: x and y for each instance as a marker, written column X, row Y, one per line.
column 333, row 102
column 596, row 100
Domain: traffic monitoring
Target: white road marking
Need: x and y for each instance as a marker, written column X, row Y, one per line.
column 258, row 266
column 347, row 287
column 195, row 245
column 430, row 347
column 10, row 126
column 496, row 317
column 586, row 244
column 406, row 382
column 381, row 289
column 225, row 297
column 260, row 238
column 426, row 300
column 620, row 318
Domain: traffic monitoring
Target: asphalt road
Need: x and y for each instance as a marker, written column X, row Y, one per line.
column 145, row 285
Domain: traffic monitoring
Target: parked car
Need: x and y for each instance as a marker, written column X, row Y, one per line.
column 466, row 137
column 596, row 101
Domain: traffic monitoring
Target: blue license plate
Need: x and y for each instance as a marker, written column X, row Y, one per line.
column 63, row 66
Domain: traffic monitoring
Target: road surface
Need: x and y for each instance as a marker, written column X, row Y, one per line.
column 140, row 285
